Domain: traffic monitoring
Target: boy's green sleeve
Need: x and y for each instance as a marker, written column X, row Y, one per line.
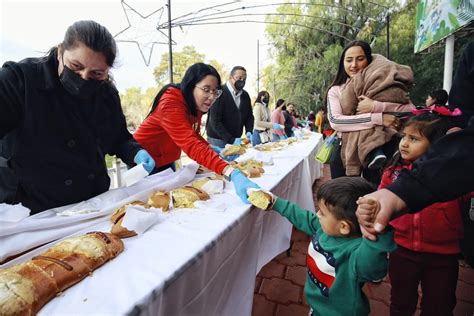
column 370, row 259
column 303, row 220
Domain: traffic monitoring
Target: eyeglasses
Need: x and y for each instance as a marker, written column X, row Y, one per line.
column 208, row 92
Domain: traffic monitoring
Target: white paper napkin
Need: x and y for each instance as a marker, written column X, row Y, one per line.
column 213, row 187
column 139, row 219
column 13, row 213
column 90, row 206
column 250, row 190
column 134, row 175
column 298, row 133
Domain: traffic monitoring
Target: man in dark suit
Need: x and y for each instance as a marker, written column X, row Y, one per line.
column 231, row 112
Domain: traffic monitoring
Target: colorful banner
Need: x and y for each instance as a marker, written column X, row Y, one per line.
column 437, row 19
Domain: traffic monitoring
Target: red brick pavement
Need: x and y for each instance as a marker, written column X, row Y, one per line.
column 279, row 285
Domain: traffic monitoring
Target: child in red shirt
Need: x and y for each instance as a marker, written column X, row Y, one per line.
column 428, row 241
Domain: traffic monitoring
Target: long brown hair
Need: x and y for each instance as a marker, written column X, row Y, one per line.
column 341, row 75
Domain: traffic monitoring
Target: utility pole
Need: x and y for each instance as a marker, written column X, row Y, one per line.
column 170, row 46
column 387, row 18
column 448, row 62
column 274, row 87
column 258, row 66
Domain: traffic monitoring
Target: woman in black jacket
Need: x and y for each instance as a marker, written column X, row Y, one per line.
column 59, row 116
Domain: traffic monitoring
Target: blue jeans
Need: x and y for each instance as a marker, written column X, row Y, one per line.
column 216, row 142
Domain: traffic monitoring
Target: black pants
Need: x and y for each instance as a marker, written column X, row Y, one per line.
column 436, row 273
column 373, row 176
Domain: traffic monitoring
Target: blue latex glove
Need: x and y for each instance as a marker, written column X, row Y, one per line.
column 293, row 129
column 249, row 135
column 218, row 150
column 237, row 141
column 276, row 126
column 241, row 184
column 283, row 137
column 144, row 157
column 231, row 157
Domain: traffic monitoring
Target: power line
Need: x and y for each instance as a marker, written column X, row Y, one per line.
column 263, row 14
column 264, row 22
column 256, row 6
column 204, row 9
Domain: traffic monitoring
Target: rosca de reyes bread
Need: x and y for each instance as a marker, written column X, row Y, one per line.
column 199, row 183
column 249, row 162
column 187, row 195
column 260, row 199
column 25, row 288
column 210, row 185
column 251, row 168
column 159, row 200
column 253, row 171
column 117, row 219
column 233, row 150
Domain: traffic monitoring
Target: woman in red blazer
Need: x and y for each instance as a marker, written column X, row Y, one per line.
column 174, row 122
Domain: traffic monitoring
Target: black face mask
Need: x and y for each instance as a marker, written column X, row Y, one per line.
column 239, row 84
column 78, row 87
column 265, row 100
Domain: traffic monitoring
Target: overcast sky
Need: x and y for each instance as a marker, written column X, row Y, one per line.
column 30, row 28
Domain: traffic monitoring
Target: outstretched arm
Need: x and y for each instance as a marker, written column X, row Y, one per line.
column 304, row 220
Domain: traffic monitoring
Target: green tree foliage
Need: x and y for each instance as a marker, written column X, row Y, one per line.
column 428, row 65
column 307, row 41
column 181, row 61
column 136, row 104
column 221, row 69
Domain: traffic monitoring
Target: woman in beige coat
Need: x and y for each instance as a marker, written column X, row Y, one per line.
column 262, row 120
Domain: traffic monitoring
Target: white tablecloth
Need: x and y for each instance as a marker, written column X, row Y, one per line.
column 197, row 262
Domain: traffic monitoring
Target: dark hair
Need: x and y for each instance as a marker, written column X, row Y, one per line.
column 441, row 96
column 91, row 34
column 279, row 102
column 430, row 125
column 283, row 108
column 193, row 75
column 232, row 72
column 341, row 75
column 340, row 196
column 260, row 96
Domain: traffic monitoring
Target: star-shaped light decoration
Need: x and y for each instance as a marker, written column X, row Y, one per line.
column 142, row 30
